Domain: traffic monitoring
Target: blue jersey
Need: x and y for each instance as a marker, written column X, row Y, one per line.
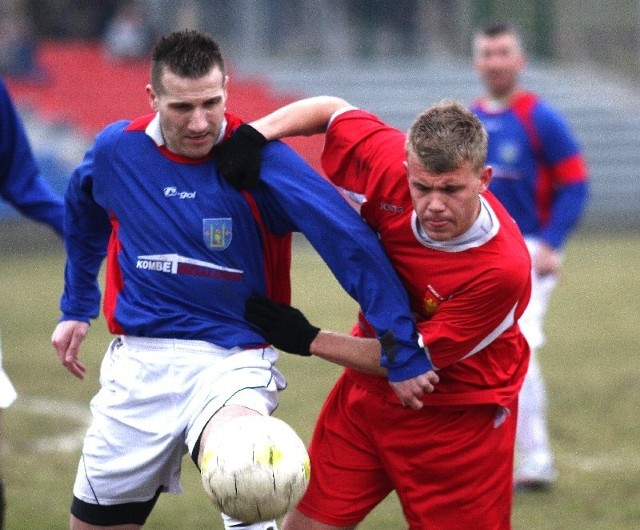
column 20, row 182
column 539, row 173
column 185, row 250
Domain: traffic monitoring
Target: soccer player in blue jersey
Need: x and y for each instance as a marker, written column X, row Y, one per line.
column 184, row 251
column 22, row 186
column 540, row 175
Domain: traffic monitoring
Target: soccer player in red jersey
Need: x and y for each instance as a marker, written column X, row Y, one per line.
column 461, row 257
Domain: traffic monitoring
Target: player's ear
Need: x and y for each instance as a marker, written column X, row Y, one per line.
column 225, row 88
column 485, row 177
column 152, row 97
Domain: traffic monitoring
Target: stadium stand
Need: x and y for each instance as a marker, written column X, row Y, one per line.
column 83, row 90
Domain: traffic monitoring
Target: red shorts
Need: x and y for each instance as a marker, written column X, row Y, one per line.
column 452, row 467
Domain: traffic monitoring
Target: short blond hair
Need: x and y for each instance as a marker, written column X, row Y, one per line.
column 445, row 136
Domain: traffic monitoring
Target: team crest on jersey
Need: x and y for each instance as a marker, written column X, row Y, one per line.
column 217, row 233
column 509, row 152
column 431, row 301
column 430, row 304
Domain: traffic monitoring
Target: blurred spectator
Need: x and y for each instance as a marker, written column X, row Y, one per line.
column 17, row 46
column 127, row 35
column 70, row 19
column 384, row 27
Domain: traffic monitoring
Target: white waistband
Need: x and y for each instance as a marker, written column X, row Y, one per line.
column 195, row 346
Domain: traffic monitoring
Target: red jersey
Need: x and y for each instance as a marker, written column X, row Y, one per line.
column 466, row 294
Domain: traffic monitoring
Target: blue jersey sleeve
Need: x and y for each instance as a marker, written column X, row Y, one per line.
column 20, row 181
column 569, row 203
column 561, row 154
column 86, row 235
column 295, row 198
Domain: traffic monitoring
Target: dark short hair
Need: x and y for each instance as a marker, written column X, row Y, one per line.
column 186, row 53
column 496, row 27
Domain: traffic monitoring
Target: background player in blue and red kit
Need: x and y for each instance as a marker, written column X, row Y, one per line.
column 466, row 269
column 22, row 186
column 184, row 251
column 540, row 176
column 21, row 183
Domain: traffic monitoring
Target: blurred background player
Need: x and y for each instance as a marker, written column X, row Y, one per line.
column 22, row 186
column 466, row 268
column 540, row 176
column 184, row 250
column 7, row 397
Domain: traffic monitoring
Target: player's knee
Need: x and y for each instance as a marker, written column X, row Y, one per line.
column 226, row 413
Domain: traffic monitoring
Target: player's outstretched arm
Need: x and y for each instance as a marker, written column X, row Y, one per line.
column 304, row 117
column 66, row 340
column 289, row 330
column 359, row 353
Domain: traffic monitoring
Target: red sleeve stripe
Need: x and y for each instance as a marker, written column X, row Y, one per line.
column 570, row 170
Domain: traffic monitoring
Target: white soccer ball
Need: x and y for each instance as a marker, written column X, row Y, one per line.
column 255, row 468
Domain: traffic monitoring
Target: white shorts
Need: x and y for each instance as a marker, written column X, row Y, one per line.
column 7, row 392
column 155, row 399
column 532, row 320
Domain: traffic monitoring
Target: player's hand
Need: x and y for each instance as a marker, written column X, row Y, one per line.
column 238, row 158
column 282, row 325
column 66, row 340
column 411, row 391
column 546, row 260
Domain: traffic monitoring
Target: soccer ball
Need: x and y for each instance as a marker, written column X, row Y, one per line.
column 255, row 468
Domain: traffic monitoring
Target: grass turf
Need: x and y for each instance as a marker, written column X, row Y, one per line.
column 590, row 363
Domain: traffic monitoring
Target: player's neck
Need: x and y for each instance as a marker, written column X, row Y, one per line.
column 497, row 102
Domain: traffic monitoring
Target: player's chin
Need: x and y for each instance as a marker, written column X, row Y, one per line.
column 197, row 148
column 440, row 231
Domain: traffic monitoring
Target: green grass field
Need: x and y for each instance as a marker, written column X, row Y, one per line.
column 591, row 362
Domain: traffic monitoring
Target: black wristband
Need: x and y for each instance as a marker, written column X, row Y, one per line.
column 239, row 157
column 252, row 133
column 282, row 325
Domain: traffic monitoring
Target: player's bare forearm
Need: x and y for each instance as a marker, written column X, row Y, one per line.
column 304, row 117
column 352, row 352
column 363, row 354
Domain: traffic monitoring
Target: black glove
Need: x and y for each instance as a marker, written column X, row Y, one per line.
column 282, row 325
column 388, row 345
column 238, row 157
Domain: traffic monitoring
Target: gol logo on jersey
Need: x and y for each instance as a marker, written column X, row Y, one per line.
column 172, row 191
column 217, row 233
